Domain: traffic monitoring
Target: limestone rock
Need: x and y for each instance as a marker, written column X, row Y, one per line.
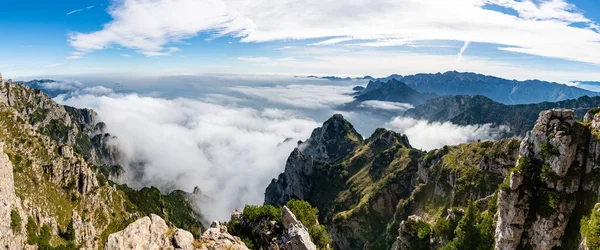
column 9, row 239
column 217, row 238
column 85, row 232
column 297, row 238
column 183, row 240
column 406, row 233
column 66, row 151
column 335, row 139
column 287, row 217
column 556, row 143
column 150, row 232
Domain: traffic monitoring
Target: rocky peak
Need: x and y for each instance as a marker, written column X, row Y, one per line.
column 332, row 141
column 387, row 138
column 537, row 201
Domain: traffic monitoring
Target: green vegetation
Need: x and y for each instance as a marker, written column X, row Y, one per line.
column 474, row 230
column 423, row 235
column 42, row 237
column 15, row 221
column 57, row 130
column 549, row 150
column 173, row 207
column 83, row 145
column 590, row 228
column 308, row 216
column 253, row 224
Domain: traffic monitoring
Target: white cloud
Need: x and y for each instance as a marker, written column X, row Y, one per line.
column 301, row 96
column 543, row 28
column 78, row 10
column 462, row 50
column 394, row 106
column 61, row 85
column 425, row 135
column 231, row 153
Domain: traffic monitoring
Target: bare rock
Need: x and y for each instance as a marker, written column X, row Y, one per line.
column 297, row 238
column 149, row 232
column 215, row 239
column 66, row 151
column 287, row 217
column 183, row 240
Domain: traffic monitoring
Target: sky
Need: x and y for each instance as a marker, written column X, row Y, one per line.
column 556, row 40
column 205, row 93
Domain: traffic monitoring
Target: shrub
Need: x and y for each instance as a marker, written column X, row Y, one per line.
column 591, row 229
column 15, row 221
column 423, row 235
column 549, row 150
column 32, row 231
column 69, row 234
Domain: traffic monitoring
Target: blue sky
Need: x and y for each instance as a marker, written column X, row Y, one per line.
column 546, row 39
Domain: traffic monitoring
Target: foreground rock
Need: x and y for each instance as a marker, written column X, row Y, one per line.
column 542, row 192
column 296, row 237
column 152, row 232
column 217, row 237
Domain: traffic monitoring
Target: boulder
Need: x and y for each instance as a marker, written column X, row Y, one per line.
column 183, row 240
column 297, row 238
column 216, row 238
column 150, row 232
column 288, row 218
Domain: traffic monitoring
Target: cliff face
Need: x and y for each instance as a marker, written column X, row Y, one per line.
column 554, row 185
column 366, row 191
column 50, row 192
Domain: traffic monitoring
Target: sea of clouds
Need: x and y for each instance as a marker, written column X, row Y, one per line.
column 232, row 139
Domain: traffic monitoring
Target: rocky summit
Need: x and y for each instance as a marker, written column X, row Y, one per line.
column 538, row 193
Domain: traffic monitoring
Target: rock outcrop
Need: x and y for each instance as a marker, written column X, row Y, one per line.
column 408, row 234
column 296, row 236
column 150, row 232
column 537, row 204
column 217, row 237
column 11, row 237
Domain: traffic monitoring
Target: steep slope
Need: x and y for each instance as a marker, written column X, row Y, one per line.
column 541, row 193
column 378, row 181
column 468, row 110
column 497, row 89
column 392, row 91
column 51, row 196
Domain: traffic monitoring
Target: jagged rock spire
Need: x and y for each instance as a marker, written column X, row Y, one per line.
column 332, row 141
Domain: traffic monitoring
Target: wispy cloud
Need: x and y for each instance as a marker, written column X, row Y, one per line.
column 125, row 55
column 542, row 28
column 78, row 10
column 463, row 49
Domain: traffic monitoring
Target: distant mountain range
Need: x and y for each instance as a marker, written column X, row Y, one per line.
column 477, row 109
column 391, row 91
column 498, row 89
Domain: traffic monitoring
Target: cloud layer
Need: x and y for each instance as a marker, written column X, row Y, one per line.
column 427, row 136
column 230, row 152
column 549, row 28
column 301, row 96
